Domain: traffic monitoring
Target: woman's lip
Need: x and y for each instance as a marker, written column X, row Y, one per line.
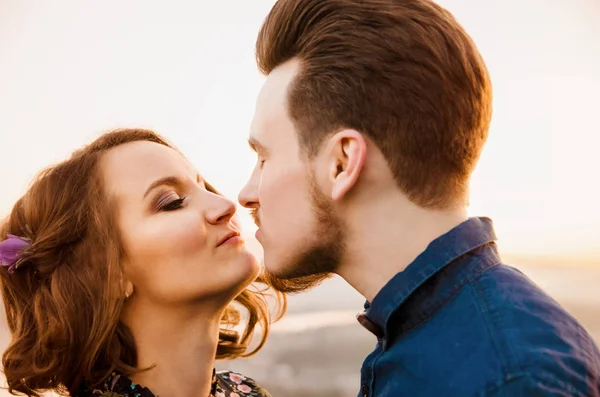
column 232, row 233
column 232, row 240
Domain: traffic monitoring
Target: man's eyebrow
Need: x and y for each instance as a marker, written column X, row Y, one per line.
column 256, row 145
column 168, row 180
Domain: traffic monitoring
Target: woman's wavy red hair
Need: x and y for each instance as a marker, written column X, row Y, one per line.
column 63, row 304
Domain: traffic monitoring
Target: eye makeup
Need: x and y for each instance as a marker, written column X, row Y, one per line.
column 168, row 202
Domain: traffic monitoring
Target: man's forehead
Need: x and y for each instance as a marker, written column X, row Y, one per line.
column 271, row 112
column 273, row 94
column 271, row 104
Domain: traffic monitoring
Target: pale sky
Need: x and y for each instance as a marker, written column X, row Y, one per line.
column 71, row 69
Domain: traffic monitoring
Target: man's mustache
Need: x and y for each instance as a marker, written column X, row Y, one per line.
column 254, row 214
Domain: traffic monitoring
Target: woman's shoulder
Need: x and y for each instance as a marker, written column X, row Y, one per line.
column 116, row 385
column 225, row 384
column 232, row 384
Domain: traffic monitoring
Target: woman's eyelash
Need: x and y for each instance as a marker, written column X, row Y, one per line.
column 173, row 205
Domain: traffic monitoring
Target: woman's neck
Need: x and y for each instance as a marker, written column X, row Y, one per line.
column 180, row 346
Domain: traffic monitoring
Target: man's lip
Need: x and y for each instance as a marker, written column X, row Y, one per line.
column 226, row 237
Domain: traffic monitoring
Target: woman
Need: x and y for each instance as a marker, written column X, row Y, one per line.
column 120, row 267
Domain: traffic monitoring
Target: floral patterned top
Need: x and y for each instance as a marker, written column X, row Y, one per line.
column 224, row 384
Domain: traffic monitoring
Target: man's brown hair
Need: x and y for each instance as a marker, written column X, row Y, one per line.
column 63, row 302
column 402, row 72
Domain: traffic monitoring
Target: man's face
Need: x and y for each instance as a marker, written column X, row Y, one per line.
column 301, row 238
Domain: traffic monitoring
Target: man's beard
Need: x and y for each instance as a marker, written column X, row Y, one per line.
column 319, row 261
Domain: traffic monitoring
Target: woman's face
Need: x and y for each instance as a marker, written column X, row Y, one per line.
column 176, row 231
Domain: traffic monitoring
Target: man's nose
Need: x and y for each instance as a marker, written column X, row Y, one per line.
column 248, row 196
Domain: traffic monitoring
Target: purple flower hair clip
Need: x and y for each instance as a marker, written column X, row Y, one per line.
column 10, row 251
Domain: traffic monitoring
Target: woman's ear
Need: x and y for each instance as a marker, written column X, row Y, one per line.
column 128, row 287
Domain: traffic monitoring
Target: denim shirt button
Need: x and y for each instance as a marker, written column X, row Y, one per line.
column 369, row 325
column 364, row 391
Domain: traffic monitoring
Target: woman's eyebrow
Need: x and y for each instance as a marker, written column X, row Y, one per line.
column 167, row 180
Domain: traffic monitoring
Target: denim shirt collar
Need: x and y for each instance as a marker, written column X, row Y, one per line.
column 464, row 238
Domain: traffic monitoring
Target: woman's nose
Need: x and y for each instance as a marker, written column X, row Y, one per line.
column 221, row 210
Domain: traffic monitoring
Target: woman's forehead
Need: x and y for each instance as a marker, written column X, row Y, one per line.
column 129, row 169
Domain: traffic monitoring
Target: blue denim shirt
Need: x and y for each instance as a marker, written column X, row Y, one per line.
column 458, row 322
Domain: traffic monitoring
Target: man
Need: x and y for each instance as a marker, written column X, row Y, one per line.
column 367, row 129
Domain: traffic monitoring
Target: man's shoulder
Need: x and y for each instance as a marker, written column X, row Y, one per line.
column 542, row 383
column 498, row 328
column 517, row 309
column 518, row 313
column 535, row 338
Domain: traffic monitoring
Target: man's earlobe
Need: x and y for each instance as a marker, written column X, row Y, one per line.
column 350, row 148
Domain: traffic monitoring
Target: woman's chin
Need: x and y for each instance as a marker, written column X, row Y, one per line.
column 251, row 265
column 246, row 271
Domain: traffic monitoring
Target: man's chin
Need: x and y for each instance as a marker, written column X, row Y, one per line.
column 294, row 284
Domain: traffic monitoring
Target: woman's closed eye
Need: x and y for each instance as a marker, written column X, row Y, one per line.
column 171, row 203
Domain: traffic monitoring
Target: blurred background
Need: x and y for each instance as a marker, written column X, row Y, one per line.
column 70, row 70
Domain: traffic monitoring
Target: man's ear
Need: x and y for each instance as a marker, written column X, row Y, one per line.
column 346, row 157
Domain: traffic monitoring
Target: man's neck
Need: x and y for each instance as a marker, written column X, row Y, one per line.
column 181, row 346
column 387, row 237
